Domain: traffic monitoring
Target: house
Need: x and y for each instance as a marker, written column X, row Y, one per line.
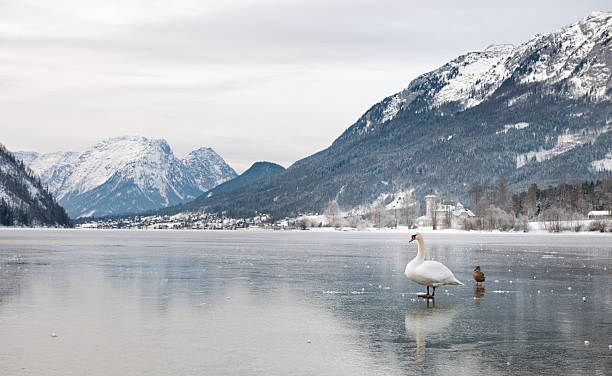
column 600, row 214
column 445, row 214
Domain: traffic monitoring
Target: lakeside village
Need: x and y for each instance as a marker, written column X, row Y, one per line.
column 439, row 215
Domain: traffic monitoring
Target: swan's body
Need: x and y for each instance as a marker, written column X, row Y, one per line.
column 428, row 273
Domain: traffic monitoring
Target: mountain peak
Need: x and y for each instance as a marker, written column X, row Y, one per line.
column 127, row 174
column 199, row 153
column 257, row 172
column 572, row 61
column 499, row 48
column 135, row 141
column 596, row 14
column 208, row 167
column 264, row 164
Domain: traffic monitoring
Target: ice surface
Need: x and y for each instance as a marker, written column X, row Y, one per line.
column 134, row 300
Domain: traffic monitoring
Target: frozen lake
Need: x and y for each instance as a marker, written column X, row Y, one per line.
column 300, row 303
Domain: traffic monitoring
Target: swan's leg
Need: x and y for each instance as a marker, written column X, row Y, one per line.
column 426, row 296
column 434, row 291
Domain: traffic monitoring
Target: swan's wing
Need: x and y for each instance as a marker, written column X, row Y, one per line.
column 437, row 273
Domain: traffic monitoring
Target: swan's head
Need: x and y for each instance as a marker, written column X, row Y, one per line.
column 416, row 236
column 477, row 269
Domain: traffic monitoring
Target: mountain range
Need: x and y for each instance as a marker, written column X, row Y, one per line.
column 23, row 200
column 125, row 175
column 537, row 112
column 258, row 173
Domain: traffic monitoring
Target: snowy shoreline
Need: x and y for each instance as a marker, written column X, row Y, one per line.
column 368, row 230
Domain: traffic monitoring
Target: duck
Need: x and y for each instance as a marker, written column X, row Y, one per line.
column 428, row 273
column 479, row 276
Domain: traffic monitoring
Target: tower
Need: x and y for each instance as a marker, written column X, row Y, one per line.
column 430, row 205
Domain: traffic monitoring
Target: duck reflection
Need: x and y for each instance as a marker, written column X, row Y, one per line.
column 427, row 321
column 478, row 294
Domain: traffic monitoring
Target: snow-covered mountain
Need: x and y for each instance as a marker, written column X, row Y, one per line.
column 207, row 168
column 258, row 172
column 23, row 200
column 538, row 112
column 573, row 62
column 126, row 174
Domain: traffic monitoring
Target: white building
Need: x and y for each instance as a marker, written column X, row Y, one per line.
column 600, row 214
column 447, row 214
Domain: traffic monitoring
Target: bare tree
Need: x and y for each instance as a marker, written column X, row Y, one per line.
column 489, row 193
column 446, row 217
column 531, row 200
column 553, row 219
column 332, row 213
column 434, row 215
column 356, row 221
column 604, row 193
column 522, row 223
column 378, row 212
column 409, row 213
column 476, row 191
column 502, row 192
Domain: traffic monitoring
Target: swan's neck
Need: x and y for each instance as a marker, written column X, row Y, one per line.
column 421, row 250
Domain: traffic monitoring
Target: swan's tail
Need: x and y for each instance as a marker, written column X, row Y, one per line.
column 456, row 283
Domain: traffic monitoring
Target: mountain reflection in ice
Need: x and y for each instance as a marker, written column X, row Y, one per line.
column 104, row 327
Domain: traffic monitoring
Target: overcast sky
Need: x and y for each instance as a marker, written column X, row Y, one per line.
column 272, row 80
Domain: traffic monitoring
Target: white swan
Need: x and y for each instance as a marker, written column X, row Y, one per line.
column 428, row 273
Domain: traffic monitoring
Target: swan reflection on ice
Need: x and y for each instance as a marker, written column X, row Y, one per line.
column 427, row 321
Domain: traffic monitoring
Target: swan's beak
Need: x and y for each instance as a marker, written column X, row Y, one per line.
column 412, row 238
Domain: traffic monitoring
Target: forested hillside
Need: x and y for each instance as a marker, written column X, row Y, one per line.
column 23, row 199
column 539, row 112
